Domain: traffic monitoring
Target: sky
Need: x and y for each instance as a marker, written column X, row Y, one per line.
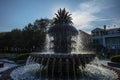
column 86, row 14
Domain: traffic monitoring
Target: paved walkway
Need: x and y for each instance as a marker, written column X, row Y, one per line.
column 7, row 61
column 7, row 65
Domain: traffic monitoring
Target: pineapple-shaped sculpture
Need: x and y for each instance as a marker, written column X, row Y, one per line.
column 62, row 32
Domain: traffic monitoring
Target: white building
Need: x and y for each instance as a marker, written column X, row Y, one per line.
column 108, row 38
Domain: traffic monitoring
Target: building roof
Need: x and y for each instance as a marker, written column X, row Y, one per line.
column 84, row 32
column 113, row 29
column 109, row 29
column 97, row 29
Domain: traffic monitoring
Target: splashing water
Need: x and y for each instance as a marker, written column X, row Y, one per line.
column 47, row 44
column 33, row 70
column 91, row 72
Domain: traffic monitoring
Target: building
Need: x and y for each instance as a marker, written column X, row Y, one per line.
column 107, row 38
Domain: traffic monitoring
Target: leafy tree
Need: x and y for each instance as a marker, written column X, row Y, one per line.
column 43, row 24
column 16, row 39
column 2, row 41
column 30, row 38
column 34, row 35
column 6, row 41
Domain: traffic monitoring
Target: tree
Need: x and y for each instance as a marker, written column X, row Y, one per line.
column 6, row 41
column 2, row 41
column 27, row 33
column 30, row 38
column 16, row 40
column 34, row 35
column 42, row 24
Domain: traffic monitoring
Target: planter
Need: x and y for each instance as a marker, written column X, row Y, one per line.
column 114, row 64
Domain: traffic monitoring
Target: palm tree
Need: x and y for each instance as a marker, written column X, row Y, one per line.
column 62, row 31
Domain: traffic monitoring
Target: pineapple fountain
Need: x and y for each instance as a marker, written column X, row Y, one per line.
column 63, row 63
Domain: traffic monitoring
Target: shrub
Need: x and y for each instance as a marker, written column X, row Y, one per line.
column 115, row 58
column 21, row 57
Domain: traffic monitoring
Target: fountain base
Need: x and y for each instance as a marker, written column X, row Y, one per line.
column 91, row 72
column 41, row 66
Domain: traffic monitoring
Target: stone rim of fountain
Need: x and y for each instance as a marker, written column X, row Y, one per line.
column 58, row 55
column 80, row 59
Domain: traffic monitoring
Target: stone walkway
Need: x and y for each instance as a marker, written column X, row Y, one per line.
column 6, row 69
column 6, row 74
column 7, row 64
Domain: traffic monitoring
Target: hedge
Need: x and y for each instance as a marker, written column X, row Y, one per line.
column 115, row 58
column 21, row 57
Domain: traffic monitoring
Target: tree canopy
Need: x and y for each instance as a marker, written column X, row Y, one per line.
column 30, row 38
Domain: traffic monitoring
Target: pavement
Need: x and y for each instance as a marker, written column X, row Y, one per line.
column 7, row 65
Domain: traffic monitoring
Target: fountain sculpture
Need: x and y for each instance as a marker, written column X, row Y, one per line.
column 62, row 64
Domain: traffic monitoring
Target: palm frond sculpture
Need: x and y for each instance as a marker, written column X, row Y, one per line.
column 62, row 17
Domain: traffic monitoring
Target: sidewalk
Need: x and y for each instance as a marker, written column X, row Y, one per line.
column 7, row 64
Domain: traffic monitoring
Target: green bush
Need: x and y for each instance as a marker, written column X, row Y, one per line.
column 21, row 57
column 115, row 58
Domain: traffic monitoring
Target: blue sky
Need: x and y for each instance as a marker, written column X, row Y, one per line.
column 86, row 14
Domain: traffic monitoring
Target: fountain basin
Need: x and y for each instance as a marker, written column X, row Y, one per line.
column 60, row 65
column 41, row 66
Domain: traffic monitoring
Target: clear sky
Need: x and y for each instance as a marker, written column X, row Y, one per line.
column 86, row 14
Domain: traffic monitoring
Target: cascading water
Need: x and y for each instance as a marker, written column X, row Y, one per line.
column 47, row 44
column 79, row 43
column 67, row 62
column 35, row 71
